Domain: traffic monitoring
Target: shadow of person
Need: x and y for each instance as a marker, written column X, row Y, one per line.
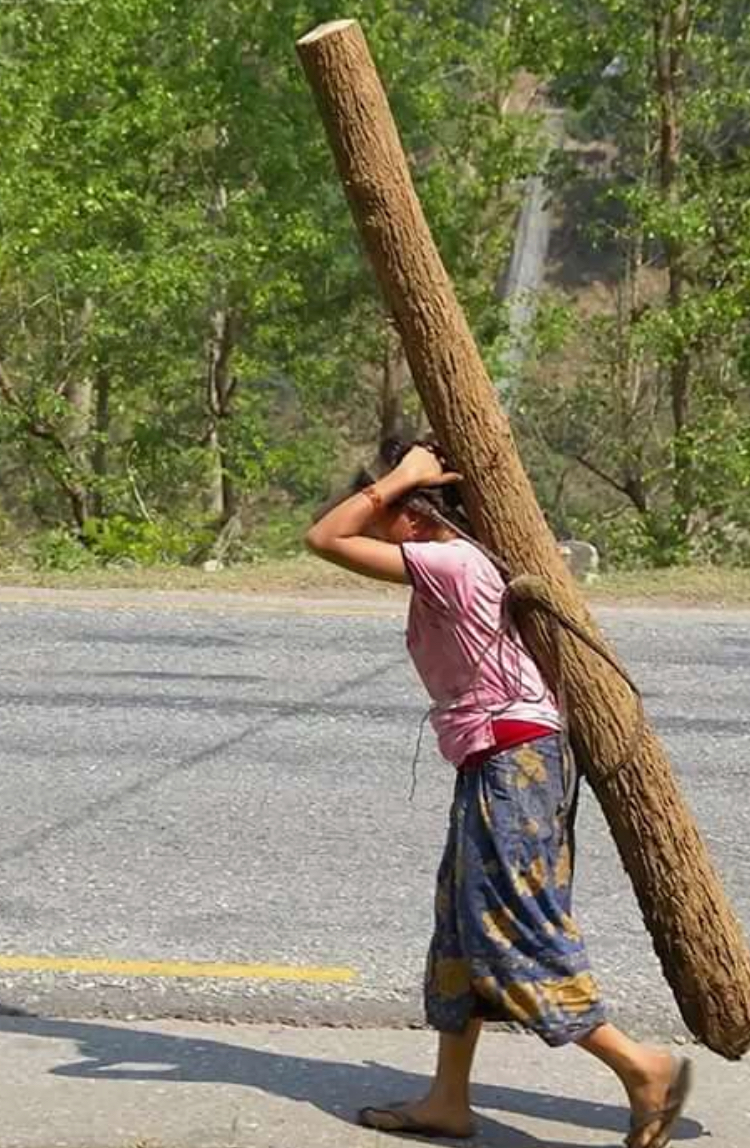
column 336, row 1087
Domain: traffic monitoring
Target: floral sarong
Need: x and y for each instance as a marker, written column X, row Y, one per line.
column 505, row 945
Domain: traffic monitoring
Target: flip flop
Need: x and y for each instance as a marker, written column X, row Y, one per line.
column 667, row 1117
column 406, row 1125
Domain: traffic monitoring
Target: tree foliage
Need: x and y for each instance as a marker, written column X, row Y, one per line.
column 185, row 318
column 190, row 339
column 650, row 393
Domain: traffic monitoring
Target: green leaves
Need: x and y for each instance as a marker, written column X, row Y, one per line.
column 649, row 391
column 162, row 164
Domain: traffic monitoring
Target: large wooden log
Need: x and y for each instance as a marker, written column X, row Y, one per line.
column 695, row 933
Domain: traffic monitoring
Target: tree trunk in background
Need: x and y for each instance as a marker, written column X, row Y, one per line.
column 74, row 436
column 671, row 24
column 220, row 385
column 392, row 389
column 630, row 380
column 213, row 501
column 78, row 393
column 99, row 454
column 695, row 933
column 220, row 392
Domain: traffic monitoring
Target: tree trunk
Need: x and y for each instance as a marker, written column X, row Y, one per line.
column 631, row 382
column 75, row 434
column 213, row 498
column 671, row 24
column 392, row 389
column 695, row 933
column 221, row 387
column 99, row 455
column 220, row 384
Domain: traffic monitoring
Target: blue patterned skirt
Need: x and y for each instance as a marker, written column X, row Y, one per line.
column 505, row 945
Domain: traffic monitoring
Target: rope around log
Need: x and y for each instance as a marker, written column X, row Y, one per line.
column 531, row 592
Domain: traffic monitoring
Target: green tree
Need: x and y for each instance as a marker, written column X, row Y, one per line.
column 642, row 393
column 181, row 294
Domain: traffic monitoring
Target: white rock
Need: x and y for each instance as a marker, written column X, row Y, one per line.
column 582, row 559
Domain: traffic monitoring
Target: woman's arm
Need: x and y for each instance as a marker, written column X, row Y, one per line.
column 340, row 535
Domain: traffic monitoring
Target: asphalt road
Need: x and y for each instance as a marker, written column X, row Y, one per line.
column 232, row 785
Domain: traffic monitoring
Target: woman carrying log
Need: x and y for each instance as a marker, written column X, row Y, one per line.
column 505, row 945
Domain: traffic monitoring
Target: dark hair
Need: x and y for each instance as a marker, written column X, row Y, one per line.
column 443, row 500
column 443, row 504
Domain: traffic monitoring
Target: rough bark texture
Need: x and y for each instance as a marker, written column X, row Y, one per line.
column 695, row 933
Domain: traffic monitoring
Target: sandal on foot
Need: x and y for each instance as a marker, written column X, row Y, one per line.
column 667, row 1117
column 399, row 1121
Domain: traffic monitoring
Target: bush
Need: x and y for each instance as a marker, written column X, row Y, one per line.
column 58, row 549
column 6, row 540
column 629, row 541
column 280, row 535
column 134, row 541
column 117, row 541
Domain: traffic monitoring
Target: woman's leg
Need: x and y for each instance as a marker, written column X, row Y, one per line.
column 646, row 1073
column 450, row 1087
column 446, row 1105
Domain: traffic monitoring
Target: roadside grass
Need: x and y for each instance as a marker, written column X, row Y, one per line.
column 304, row 575
column 308, row 576
column 679, row 586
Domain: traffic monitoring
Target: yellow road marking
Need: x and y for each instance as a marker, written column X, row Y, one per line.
column 208, row 969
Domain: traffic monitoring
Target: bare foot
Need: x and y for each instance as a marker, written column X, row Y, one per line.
column 649, row 1092
column 429, row 1113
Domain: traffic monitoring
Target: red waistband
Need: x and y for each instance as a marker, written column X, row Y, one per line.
column 507, row 734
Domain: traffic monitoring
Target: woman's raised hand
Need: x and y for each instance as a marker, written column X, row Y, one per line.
column 422, row 467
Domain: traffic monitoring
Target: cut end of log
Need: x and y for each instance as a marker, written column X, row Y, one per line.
column 323, row 30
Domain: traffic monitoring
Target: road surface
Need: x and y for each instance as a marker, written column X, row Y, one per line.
column 194, row 779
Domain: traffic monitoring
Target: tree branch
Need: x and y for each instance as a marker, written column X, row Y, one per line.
column 33, row 426
column 631, row 488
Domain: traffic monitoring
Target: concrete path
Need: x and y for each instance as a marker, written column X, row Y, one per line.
column 103, row 1084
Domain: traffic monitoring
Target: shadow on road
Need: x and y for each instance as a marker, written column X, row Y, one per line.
column 338, row 1088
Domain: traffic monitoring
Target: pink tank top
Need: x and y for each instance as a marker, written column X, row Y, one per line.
column 472, row 676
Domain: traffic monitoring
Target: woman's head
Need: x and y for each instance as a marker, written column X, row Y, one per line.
column 400, row 522
column 435, row 513
column 424, row 515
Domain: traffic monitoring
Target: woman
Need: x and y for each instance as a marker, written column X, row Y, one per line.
column 505, row 945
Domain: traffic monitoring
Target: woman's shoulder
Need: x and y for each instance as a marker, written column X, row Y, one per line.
column 472, row 555
column 451, row 571
column 455, row 553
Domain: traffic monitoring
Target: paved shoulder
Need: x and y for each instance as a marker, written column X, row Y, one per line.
column 179, row 1085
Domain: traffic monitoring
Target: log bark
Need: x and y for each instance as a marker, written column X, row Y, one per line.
column 696, row 935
